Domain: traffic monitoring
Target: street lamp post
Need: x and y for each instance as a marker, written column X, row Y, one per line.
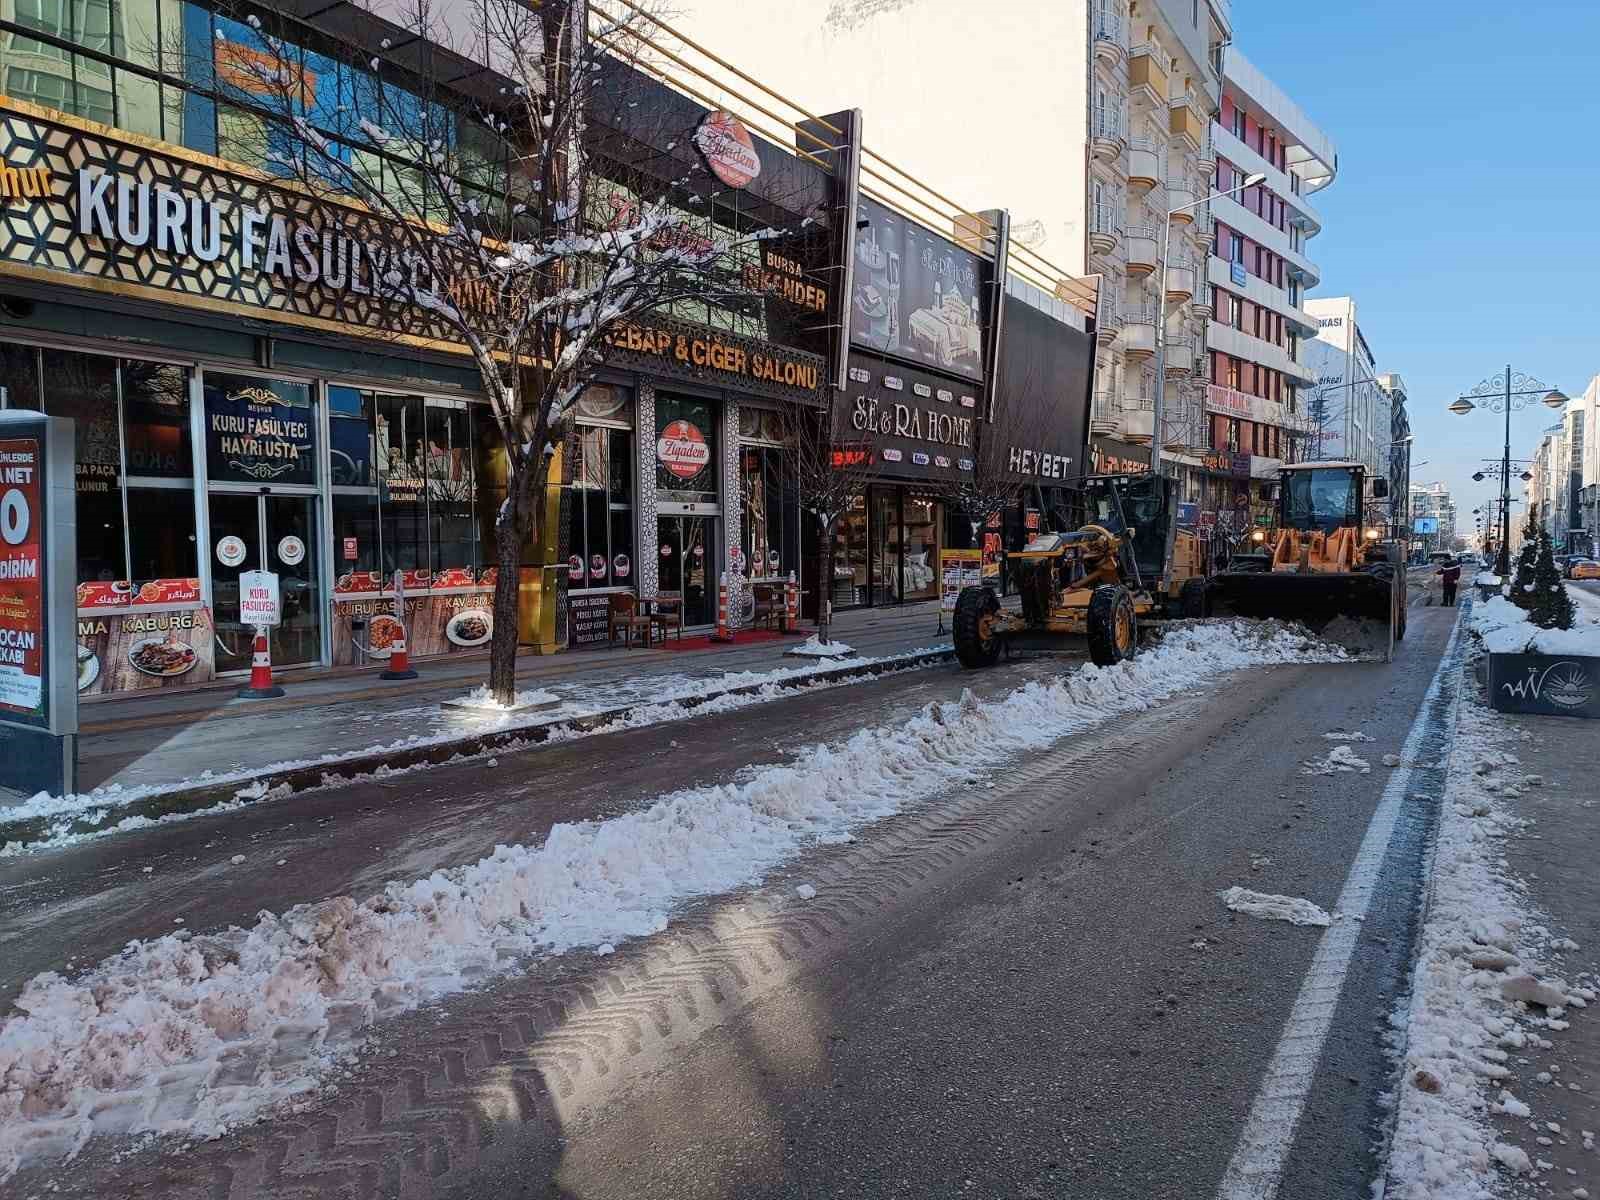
column 1158, row 418
column 1505, row 400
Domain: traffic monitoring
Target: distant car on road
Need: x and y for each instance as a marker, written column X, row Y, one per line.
column 1583, row 568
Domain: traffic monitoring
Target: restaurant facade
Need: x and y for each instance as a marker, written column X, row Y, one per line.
column 243, row 399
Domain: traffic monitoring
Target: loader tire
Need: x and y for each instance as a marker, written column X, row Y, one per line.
column 977, row 646
column 1194, row 603
column 1113, row 627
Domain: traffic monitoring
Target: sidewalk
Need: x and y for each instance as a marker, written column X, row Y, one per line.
column 1501, row 1079
column 209, row 743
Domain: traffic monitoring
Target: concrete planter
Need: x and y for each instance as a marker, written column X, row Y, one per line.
column 1550, row 685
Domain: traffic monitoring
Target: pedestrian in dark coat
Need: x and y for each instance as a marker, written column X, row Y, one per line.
column 1449, row 578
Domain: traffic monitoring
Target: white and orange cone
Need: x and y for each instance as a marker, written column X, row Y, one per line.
column 399, row 660
column 261, row 686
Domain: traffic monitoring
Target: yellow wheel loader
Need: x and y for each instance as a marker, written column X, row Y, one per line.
column 1318, row 561
column 1129, row 565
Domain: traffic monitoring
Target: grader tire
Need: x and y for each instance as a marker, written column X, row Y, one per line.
column 1113, row 627
column 1193, row 602
column 976, row 644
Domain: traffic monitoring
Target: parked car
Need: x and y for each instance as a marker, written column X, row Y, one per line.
column 1583, row 568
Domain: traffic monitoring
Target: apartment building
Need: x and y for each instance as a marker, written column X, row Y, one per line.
column 1257, row 268
column 1088, row 118
column 1433, row 501
column 1588, row 406
column 1350, row 414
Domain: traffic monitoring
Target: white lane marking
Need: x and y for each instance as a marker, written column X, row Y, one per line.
column 1258, row 1157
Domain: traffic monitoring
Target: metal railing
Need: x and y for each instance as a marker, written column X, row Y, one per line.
column 1109, row 121
column 1104, row 218
column 1108, row 22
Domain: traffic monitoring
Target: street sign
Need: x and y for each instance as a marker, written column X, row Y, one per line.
column 1425, row 525
column 38, row 597
column 258, row 599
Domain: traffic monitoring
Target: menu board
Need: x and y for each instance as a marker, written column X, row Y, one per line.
column 446, row 612
column 588, row 618
column 958, row 569
column 916, row 294
column 22, row 569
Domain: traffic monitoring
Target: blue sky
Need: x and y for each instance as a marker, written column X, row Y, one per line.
column 1462, row 219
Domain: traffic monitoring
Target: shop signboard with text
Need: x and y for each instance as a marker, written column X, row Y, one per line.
column 916, row 294
column 259, row 431
column 922, row 426
column 38, row 550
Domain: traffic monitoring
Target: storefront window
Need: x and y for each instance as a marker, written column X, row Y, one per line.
column 922, row 532
column 354, row 483
column 602, row 511
column 850, row 556
column 770, row 525
column 19, row 376
column 885, row 535
column 155, row 417
column 452, row 492
column 402, row 481
column 686, row 450
column 84, row 387
column 161, row 535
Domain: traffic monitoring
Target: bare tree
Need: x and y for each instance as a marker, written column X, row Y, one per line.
column 516, row 211
column 832, row 469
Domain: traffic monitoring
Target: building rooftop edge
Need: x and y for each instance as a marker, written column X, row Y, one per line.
column 1312, row 155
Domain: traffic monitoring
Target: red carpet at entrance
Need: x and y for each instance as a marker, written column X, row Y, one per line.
column 742, row 638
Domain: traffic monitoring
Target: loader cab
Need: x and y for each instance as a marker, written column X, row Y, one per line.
column 1321, row 497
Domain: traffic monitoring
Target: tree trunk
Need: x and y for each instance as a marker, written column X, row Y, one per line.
column 825, row 585
column 508, row 540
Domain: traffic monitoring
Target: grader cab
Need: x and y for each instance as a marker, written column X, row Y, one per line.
column 1129, row 564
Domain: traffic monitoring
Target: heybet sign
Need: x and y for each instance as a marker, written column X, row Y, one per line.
column 38, row 642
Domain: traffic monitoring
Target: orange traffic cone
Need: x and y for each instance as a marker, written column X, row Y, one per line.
column 722, row 633
column 399, row 661
column 261, row 685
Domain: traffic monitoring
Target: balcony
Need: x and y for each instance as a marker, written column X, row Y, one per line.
column 1105, row 229
column 1107, row 322
column 1144, row 165
column 1181, row 200
column 1147, row 74
column 1109, row 40
column 1180, row 280
column 1183, row 121
column 1207, row 160
column 1237, row 216
column 1139, row 243
column 1301, row 213
column 1109, row 139
column 1138, row 422
column 1257, row 350
column 1139, row 335
column 1107, row 418
column 1179, row 353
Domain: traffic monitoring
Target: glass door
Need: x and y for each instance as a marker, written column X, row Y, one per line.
column 277, row 533
column 688, row 565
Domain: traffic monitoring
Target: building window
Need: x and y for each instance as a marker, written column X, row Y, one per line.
column 603, row 552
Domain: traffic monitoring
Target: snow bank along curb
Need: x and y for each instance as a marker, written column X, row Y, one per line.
column 1506, row 629
column 91, row 812
column 1480, row 989
column 192, row 1033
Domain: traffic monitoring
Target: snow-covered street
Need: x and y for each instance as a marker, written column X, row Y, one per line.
column 732, row 915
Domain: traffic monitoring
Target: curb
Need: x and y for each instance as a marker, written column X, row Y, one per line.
column 26, row 831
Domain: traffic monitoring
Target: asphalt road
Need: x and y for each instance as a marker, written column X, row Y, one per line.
column 1029, row 990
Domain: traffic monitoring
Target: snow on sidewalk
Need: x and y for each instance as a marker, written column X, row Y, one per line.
column 194, row 1033
column 1480, row 990
column 649, row 700
column 1505, row 629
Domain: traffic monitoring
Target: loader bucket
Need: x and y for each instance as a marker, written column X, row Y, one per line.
column 1313, row 598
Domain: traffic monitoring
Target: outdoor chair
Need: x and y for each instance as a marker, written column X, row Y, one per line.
column 668, row 613
column 769, row 608
column 624, row 614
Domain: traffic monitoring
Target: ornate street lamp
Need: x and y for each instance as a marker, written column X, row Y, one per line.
column 1506, row 395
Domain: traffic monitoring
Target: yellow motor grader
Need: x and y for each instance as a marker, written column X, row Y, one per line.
column 1129, row 564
